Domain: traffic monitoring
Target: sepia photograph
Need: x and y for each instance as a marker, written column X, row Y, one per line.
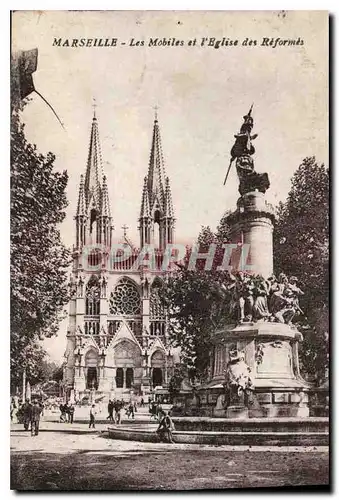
column 169, row 250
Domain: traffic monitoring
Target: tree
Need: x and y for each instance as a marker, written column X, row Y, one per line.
column 176, row 380
column 39, row 260
column 57, row 373
column 197, row 302
column 26, row 355
column 301, row 248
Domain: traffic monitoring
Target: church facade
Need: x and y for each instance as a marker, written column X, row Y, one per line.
column 117, row 336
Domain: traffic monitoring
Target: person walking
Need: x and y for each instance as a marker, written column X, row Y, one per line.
column 66, row 412
column 110, row 408
column 92, row 415
column 153, row 410
column 26, row 410
column 71, row 411
column 118, row 408
column 35, row 418
column 130, row 410
column 62, row 409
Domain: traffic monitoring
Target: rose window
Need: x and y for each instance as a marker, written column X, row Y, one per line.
column 125, row 300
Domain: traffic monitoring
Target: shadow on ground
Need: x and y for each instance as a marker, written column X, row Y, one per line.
column 165, row 470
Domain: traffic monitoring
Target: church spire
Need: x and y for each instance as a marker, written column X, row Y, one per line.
column 93, row 216
column 93, row 178
column 156, row 170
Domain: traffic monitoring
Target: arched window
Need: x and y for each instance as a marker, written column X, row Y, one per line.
column 94, row 259
column 156, row 229
column 93, row 222
column 119, row 379
column 156, row 308
column 157, row 311
column 125, row 300
column 93, row 296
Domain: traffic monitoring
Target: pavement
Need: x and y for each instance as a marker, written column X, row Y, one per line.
column 69, row 457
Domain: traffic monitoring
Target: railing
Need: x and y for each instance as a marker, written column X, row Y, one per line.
column 130, row 263
column 157, row 328
column 134, row 324
column 113, row 326
column 92, row 326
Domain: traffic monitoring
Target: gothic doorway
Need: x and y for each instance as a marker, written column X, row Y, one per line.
column 156, row 377
column 92, row 378
column 91, row 363
column 129, row 378
column 119, row 378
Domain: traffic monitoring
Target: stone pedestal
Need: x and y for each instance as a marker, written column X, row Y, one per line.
column 271, row 353
column 252, row 224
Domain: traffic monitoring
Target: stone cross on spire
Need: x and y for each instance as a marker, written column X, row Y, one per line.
column 94, row 107
column 156, row 112
column 124, row 227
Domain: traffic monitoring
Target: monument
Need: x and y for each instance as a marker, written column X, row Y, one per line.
column 254, row 367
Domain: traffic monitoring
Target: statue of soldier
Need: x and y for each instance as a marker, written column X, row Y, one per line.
column 260, row 308
column 243, row 297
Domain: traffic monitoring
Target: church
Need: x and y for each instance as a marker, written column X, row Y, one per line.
column 117, row 335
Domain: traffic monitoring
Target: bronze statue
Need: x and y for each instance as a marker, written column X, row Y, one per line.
column 255, row 299
column 242, row 297
column 260, row 308
column 284, row 302
column 242, row 152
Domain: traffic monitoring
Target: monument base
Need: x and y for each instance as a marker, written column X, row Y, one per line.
column 271, row 352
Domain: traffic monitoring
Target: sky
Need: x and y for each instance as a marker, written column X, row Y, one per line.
column 201, row 93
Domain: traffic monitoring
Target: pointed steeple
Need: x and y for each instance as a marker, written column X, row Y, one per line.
column 81, row 209
column 168, row 200
column 95, row 225
column 105, row 208
column 94, row 170
column 156, row 222
column 156, row 170
column 145, row 210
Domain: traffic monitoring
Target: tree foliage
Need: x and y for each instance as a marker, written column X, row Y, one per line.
column 175, row 381
column 39, row 260
column 197, row 304
column 301, row 248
